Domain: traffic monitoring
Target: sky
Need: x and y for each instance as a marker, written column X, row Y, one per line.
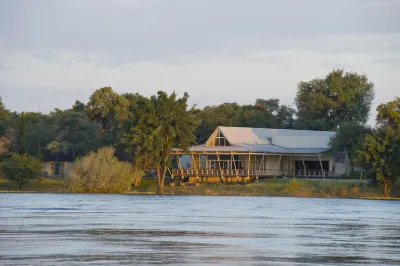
column 53, row 52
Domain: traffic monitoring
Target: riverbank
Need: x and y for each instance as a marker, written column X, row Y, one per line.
column 269, row 187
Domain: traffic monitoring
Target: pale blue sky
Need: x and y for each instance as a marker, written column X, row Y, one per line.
column 54, row 52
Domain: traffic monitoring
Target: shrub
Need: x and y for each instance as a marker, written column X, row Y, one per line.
column 102, row 172
column 21, row 169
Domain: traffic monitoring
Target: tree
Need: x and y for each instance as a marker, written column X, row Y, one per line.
column 322, row 104
column 107, row 107
column 21, row 169
column 382, row 147
column 255, row 116
column 213, row 116
column 101, row 172
column 75, row 134
column 349, row 138
column 7, row 139
column 79, row 107
column 164, row 122
column 39, row 135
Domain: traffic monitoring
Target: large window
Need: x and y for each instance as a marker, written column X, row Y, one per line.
column 218, row 140
column 312, row 165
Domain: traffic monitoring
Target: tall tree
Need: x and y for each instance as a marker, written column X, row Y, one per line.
column 164, row 122
column 255, row 116
column 74, row 134
column 323, row 104
column 79, row 107
column 349, row 138
column 7, row 134
column 107, row 107
column 283, row 115
column 382, row 148
column 21, row 169
column 213, row 116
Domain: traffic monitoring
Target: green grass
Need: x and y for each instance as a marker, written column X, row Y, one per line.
column 275, row 187
column 38, row 185
column 269, row 187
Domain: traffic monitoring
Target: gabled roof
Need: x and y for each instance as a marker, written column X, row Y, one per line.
column 268, row 140
column 286, row 138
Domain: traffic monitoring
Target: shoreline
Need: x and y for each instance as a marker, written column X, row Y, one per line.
column 207, row 195
column 274, row 187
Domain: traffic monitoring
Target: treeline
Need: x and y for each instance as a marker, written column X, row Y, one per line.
column 142, row 130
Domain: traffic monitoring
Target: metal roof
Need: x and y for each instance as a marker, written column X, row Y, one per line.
column 251, row 148
column 269, row 140
column 287, row 138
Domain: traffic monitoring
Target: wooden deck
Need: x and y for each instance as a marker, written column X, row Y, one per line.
column 187, row 172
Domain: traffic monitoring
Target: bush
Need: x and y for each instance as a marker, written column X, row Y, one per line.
column 102, row 172
column 21, row 169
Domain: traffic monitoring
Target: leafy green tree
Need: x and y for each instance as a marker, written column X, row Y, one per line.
column 349, row 138
column 255, row 116
column 74, row 134
column 79, row 107
column 21, row 169
column 323, row 104
column 164, row 122
column 101, row 172
column 382, row 147
column 39, row 135
column 213, row 116
column 21, row 124
column 7, row 139
column 107, row 107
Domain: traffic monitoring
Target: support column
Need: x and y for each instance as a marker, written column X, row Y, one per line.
column 180, row 166
column 259, row 169
column 304, row 166
column 195, row 167
column 320, row 163
column 234, row 164
column 220, row 169
column 248, row 167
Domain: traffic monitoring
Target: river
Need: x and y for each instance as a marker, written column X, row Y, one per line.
column 74, row 229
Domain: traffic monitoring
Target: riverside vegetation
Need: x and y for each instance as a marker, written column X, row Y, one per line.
column 269, row 187
column 124, row 134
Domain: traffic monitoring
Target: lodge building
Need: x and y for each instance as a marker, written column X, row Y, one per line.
column 239, row 154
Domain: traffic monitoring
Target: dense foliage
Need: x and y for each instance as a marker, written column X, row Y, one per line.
column 102, row 172
column 20, row 168
column 142, row 130
column 323, row 104
column 382, row 147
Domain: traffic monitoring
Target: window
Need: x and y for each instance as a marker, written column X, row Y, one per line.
column 312, row 165
column 218, row 140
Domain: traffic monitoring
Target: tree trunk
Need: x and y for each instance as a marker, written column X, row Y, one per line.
column 160, row 184
column 161, row 172
column 386, row 187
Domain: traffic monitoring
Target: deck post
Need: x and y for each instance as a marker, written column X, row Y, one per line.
column 234, row 164
column 304, row 166
column 261, row 164
column 195, row 167
column 320, row 163
column 172, row 176
column 248, row 167
column 220, row 169
column 280, row 163
column 180, row 166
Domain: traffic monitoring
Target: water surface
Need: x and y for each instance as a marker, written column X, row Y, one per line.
column 68, row 229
